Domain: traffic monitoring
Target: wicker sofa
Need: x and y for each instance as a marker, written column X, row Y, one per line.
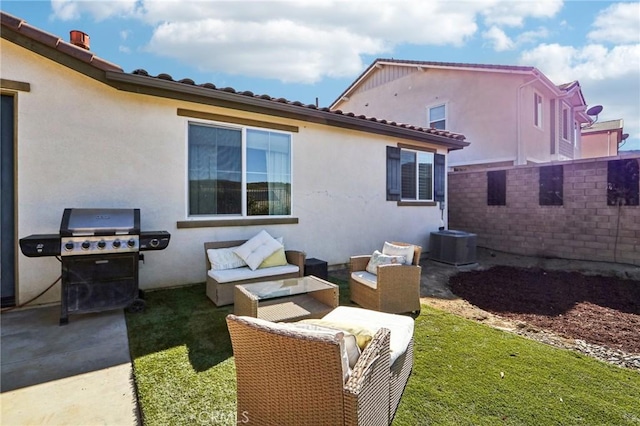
column 394, row 288
column 287, row 377
column 220, row 284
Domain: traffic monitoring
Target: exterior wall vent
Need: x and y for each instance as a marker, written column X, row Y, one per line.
column 79, row 39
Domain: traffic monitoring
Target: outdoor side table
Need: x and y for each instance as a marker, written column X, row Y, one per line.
column 317, row 267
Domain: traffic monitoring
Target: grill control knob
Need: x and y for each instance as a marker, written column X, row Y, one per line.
column 117, row 244
column 154, row 242
column 69, row 246
column 86, row 245
column 102, row 244
column 131, row 242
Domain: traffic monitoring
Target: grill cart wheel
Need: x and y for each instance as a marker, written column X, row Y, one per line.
column 137, row 306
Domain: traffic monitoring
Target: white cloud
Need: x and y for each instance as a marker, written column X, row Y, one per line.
column 67, row 10
column 593, row 62
column 498, row 39
column 619, row 23
column 298, row 41
column 304, row 41
column 277, row 49
column 514, row 13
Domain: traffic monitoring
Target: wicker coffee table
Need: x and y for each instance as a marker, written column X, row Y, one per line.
column 286, row 300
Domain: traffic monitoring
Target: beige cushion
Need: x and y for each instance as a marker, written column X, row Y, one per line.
column 257, row 249
column 224, row 258
column 276, row 259
column 361, row 332
column 351, row 347
column 400, row 326
column 397, row 250
column 378, row 259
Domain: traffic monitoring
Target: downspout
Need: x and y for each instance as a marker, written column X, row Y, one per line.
column 519, row 148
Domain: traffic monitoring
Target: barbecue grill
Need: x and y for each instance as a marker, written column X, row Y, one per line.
column 99, row 251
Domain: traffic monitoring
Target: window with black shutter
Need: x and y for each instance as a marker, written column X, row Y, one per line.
column 623, row 182
column 497, row 188
column 551, row 182
column 415, row 176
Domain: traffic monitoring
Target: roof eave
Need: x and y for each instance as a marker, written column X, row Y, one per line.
column 193, row 93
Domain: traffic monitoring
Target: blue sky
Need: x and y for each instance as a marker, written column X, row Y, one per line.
column 303, row 50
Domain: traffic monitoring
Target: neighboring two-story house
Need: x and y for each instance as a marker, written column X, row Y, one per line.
column 602, row 139
column 513, row 114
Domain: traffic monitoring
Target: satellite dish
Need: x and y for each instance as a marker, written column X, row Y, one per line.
column 624, row 136
column 594, row 110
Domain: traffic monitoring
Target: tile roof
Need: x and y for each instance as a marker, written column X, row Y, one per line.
column 23, row 28
column 454, row 65
column 211, row 86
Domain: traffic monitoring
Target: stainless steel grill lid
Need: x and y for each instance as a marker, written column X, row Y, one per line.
column 76, row 222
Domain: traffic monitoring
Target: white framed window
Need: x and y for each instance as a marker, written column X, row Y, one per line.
column 566, row 122
column 236, row 171
column 416, row 175
column 537, row 110
column 437, row 117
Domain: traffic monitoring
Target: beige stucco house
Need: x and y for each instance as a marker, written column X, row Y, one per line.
column 513, row 114
column 602, row 139
column 83, row 133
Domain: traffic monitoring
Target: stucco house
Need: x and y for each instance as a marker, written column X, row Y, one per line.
column 513, row 114
column 602, row 139
column 79, row 132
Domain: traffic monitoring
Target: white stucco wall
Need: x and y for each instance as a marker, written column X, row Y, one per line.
column 84, row 144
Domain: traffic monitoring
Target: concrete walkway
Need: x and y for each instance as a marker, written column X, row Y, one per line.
column 77, row 374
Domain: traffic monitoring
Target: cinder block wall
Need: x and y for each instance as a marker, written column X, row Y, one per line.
column 584, row 227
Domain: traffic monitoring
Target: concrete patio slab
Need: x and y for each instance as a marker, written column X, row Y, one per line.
column 79, row 373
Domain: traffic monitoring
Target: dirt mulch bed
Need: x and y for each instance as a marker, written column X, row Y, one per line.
column 597, row 309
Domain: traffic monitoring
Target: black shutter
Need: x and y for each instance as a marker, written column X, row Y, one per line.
column 393, row 173
column 551, row 183
column 439, row 174
column 623, row 182
column 497, row 188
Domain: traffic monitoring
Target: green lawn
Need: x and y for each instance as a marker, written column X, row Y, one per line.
column 464, row 373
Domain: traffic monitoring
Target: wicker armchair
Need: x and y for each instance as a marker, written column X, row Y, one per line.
column 396, row 288
column 286, row 377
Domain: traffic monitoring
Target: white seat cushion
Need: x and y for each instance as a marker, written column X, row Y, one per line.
column 366, row 278
column 400, row 326
column 245, row 273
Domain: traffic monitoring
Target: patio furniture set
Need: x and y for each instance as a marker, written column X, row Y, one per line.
column 302, row 359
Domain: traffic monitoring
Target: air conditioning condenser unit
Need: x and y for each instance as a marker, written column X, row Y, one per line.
column 453, row 247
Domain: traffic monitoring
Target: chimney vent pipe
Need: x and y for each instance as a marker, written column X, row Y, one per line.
column 79, row 39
